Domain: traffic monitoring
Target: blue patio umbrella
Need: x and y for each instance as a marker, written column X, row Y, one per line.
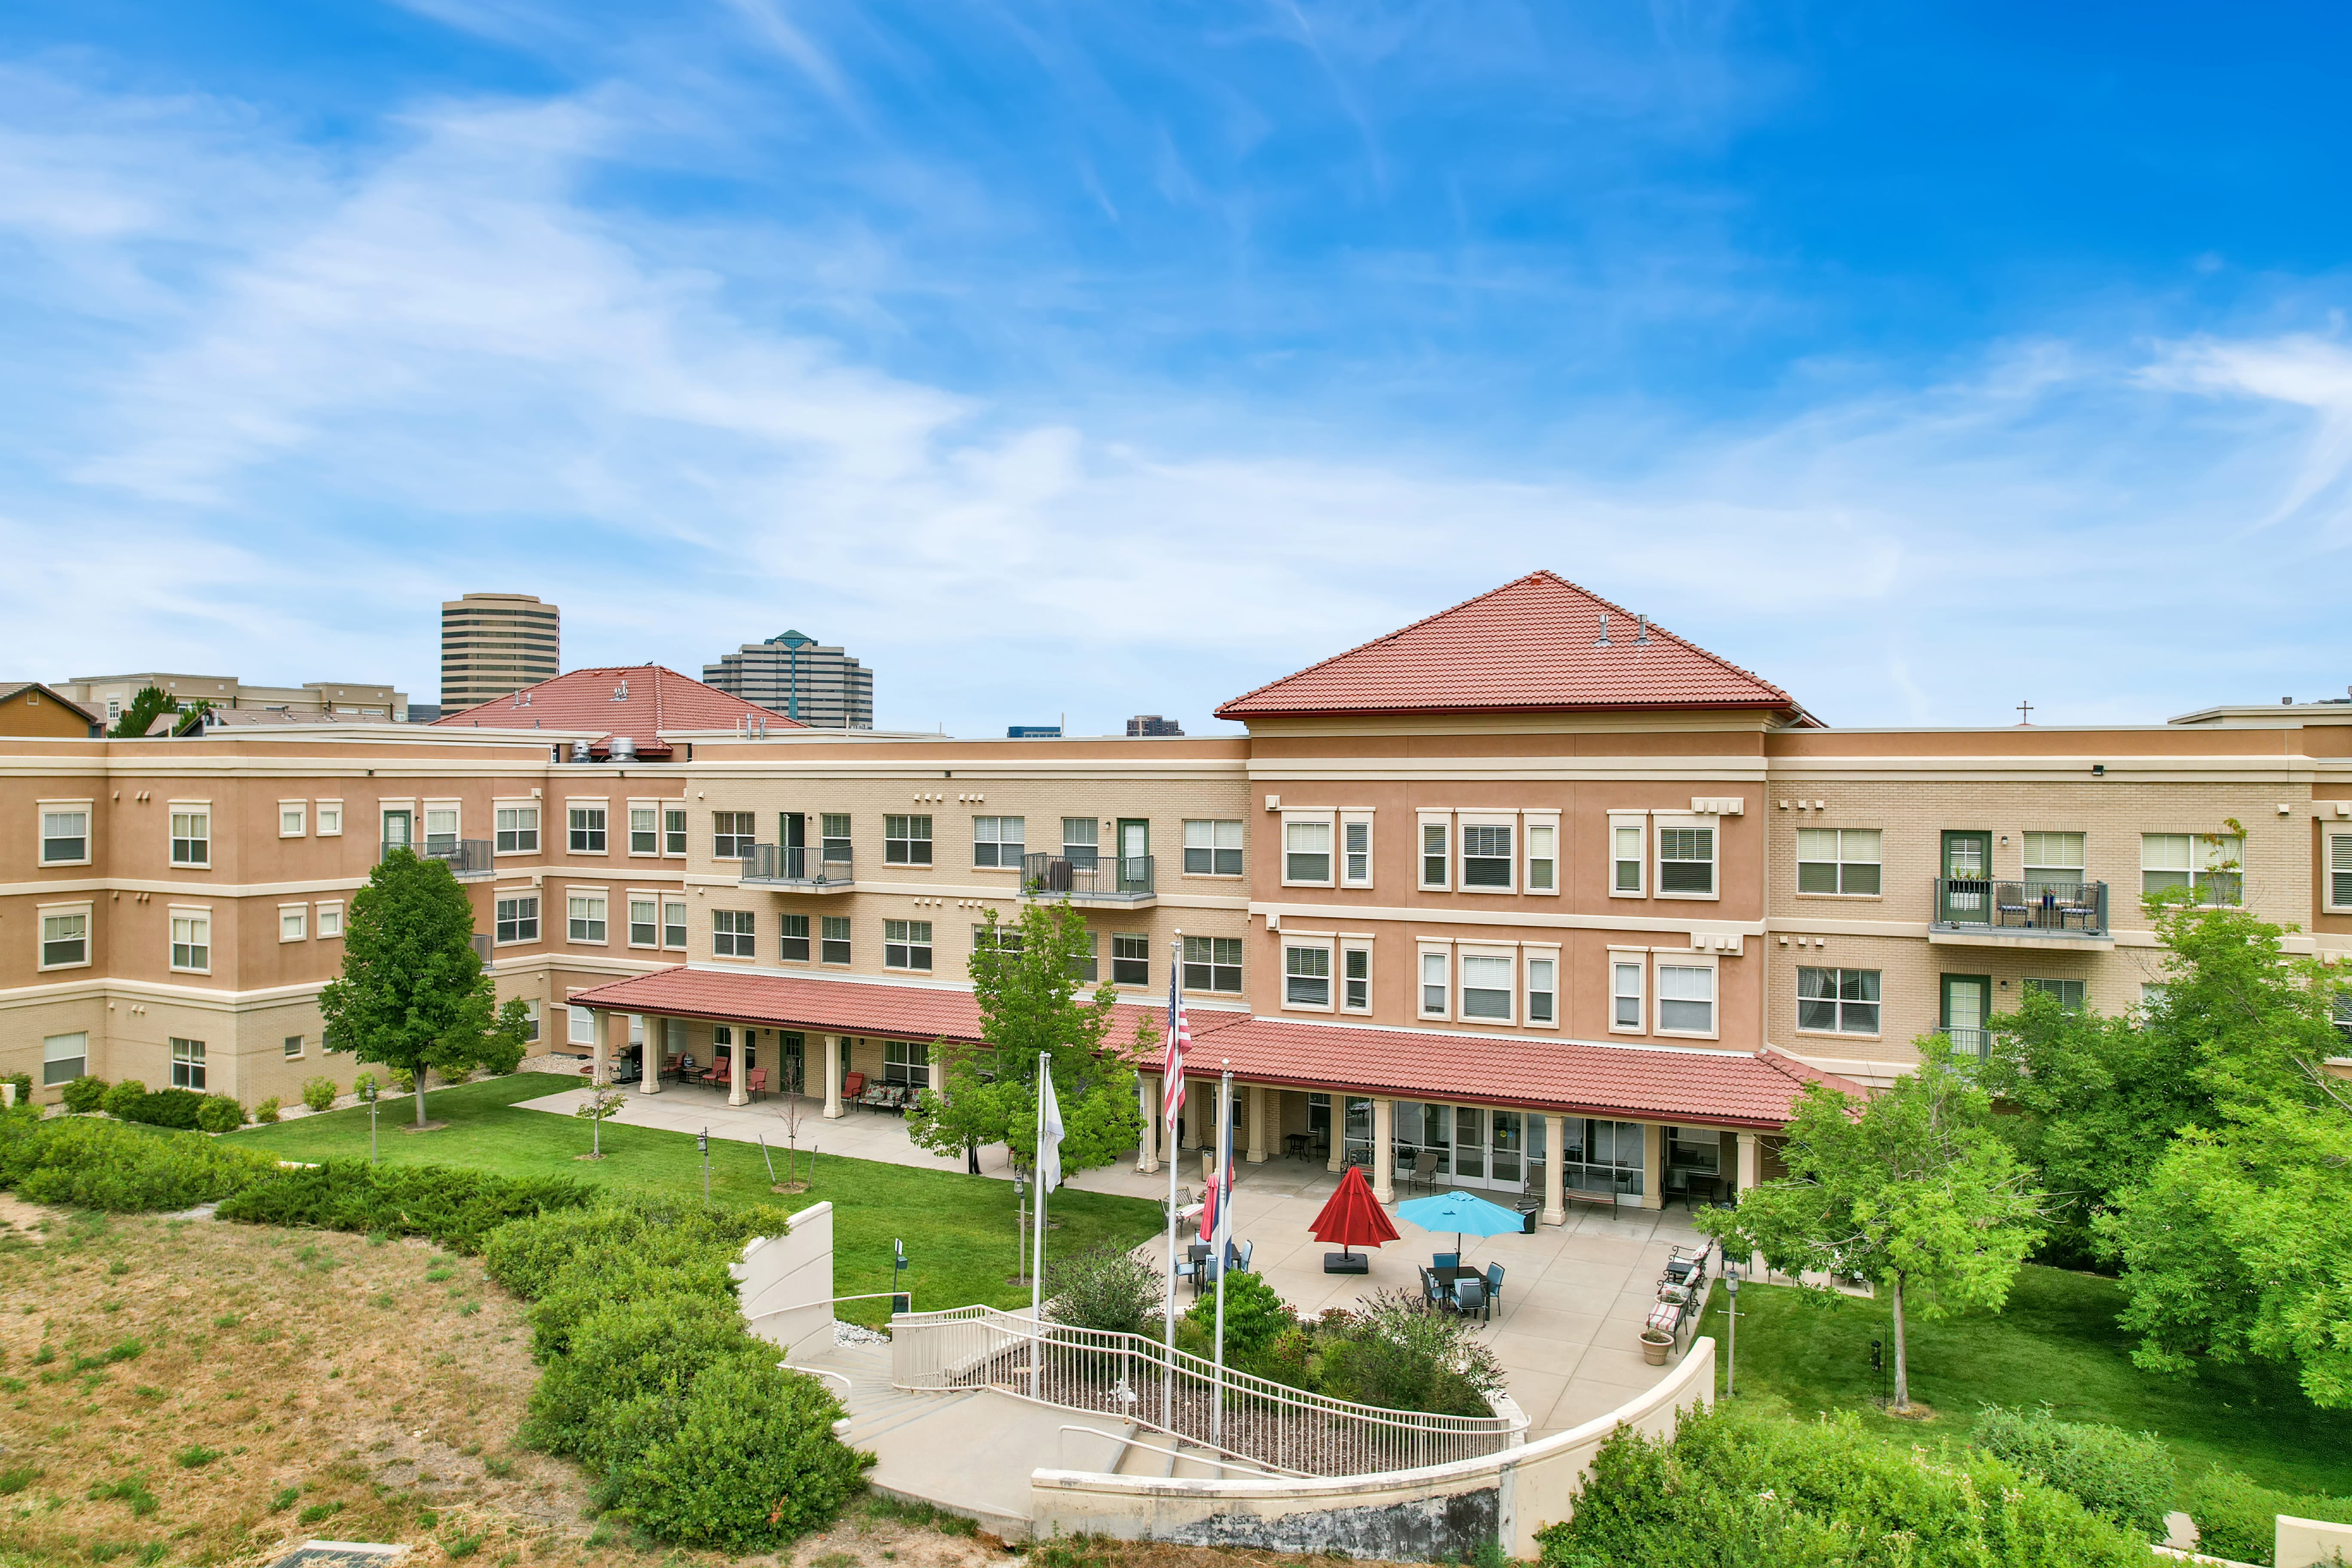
column 1462, row 1213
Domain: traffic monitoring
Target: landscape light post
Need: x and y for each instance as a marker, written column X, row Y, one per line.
column 1731, row 1316
column 702, row 1142
column 367, row 1093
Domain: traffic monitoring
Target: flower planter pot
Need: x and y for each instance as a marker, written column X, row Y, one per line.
column 1656, row 1345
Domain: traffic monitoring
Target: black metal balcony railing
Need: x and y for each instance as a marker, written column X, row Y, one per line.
column 2037, row 908
column 1969, row 1042
column 797, row 865
column 466, row 858
column 1122, row 878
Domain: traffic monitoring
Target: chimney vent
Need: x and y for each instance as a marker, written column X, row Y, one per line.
column 1602, row 640
column 1642, row 628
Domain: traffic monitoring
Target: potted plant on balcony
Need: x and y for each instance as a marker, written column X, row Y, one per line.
column 1656, row 1345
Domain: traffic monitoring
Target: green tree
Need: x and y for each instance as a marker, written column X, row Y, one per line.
column 1026, row 978
column 143, row 709
column 1910, row 1189
column 414, row 995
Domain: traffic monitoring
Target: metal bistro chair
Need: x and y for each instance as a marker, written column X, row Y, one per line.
column 1430, row 1293
column 1424, row 1167
column 1494, row 1282
column 1195, row 1265
column 1445, row 1259
column 1470, row 1296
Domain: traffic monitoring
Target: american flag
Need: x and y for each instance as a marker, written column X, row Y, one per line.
column 1171, row 1063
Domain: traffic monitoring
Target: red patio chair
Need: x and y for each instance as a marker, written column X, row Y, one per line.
column 756, row 1081
column 852, row 1087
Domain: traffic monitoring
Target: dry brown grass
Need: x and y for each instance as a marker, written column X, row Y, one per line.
column 343, row 1389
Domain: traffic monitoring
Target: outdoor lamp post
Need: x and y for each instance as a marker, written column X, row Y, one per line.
column 1731, row 1314
column 702, row 1143
column 899, row 1301
column 367, row 1093
column 1020, row 1224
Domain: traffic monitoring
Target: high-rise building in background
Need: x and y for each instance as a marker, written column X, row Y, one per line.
column 1153, row 724
column 493, row 644
column 796, row 676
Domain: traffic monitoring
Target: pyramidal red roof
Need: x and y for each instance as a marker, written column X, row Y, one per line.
column 639, row 700
column 1532, row 645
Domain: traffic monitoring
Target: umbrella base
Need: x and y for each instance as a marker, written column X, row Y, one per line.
column 1347, row 1263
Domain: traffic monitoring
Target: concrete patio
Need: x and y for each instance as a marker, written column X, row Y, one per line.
column 1574, row 1296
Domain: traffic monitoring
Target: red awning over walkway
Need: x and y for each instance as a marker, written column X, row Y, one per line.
column 1697, row 1088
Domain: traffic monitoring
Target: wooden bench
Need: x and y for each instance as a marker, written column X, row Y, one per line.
column 1591, row 1200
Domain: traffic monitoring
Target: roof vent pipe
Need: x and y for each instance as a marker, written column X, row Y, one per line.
column 1602, row 640
column 579, row 750
column 1642, row 628
column 624, row 749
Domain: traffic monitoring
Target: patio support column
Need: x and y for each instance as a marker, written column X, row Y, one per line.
column 1654, row 1165
column 1147, row 1106
column 1384, row 1150
column 832, row 1077
column 1339, row 1159
column 1750, row 1170
column 736, row 1075
column 657, row 1041
column 1554, row 1209
column 1258, row 1124
column 600, row 1052
column 1196, row 1097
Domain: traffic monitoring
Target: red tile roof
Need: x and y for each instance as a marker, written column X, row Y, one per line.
column 1527, row 646
column 1715, row 1088
column 639, row 700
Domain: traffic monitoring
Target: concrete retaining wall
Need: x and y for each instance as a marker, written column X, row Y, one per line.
column 783, row 1285
column 1446, row 1509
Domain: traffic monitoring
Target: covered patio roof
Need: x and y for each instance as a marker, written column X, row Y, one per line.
column 1695, row 1088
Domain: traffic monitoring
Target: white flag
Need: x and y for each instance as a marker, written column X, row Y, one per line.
column 1049, row 1134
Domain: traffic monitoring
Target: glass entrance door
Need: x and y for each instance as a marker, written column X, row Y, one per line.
column 1965, row 894
column 1966, row 1001
column 1134, row 849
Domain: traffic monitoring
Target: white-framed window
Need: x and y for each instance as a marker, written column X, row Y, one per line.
column 1686, row 861
column 586, row 828
column 1543, row 854
column 293, row 818
column 1306, row 851
column 65, row 833
column 330, row 818
column 580, row 1029
column 906, row 1063
column 2337, row 876
column 793, row 938
column 2054, row 861
column 64, row 1057
column 1685, row 997
column 1307, row 973
column 1838, row 1001
column 1629, row 856
column 1626, row 992
column 733, row 833
column 1212, row 963
column 1355, row 978
column 905, row 840
column 1081, row 840
column 586, row 913
column 1130, row 958
column 515, row 918
column 674, row 830
column 293, row 923
column 906, row 944
column 644, row 828
column 999, row 841
column 1543, row 988
column 331, row 919
column 2212, row 864
column 1486, row 855
column 1437, row 981
column 1839, row 860
column 1436, row 850
column 834, row 840
column 1355, row 849
column 731, row 933
column 187, row 1063
column 644, row 919
column 1213, row 848
column 192, row 835
column 440, row 828
column 192, row 941
column 673, row 925
column 832, row 939
column 2067, row 994
column 292, row 1046
column 516, row 828
column 1487, row 985
column 64, row 937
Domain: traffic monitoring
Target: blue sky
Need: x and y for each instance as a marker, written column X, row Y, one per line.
column 1110, row 358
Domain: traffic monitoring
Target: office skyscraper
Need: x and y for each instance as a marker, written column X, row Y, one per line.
column 794, row 674
column 493, row 644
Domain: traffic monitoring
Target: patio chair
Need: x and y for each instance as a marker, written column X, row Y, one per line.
column 1445, row 1259
column 756, row 1082
column 852, row 1086
column 1184, row 1202
column 1470, row 1296
column 1424, row 1167
column 1430, row 1294
column 1241, row 1263
column 1494, row 1282
column 671, row 1066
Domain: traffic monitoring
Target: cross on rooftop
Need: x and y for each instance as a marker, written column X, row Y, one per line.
column 2024, row 713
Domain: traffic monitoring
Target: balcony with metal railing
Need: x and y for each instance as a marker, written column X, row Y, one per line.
column 799, row 867
column 1109, row 878
column 468, row 859
column 2028, row 912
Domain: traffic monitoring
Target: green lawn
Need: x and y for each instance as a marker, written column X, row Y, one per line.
column 959, row 1230
column 2055, row 1342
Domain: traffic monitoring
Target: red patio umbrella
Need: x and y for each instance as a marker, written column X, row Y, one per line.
column 1353, row 1218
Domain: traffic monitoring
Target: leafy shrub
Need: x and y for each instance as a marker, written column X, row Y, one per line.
column 1107, row 1288
column 177, row 1109
column 2236, row 1518
column 526, row 1256
column 84, row 1094
column 220, row 1113
column 402, row 1080
column 631, row 1354
column 267, row 1111
column 632, row 1271
column 453, row 1206
column 753, row 1463
column 1733, row 1489
column 119, row 1099
column 2124, row 1477
column 108, row 1166
column 1255, row 1315
column 1398, row 1353
column 319, row 1093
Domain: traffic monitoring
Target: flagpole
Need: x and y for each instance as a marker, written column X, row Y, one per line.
column 1037, row 1273
column 1171, row 1096
column 1223, row 1242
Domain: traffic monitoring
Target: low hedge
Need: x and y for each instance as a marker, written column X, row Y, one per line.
column 84, row 1094
column 80, row 1162
column 2127, row 1477
column 2237, row 1517
column 456, row 1207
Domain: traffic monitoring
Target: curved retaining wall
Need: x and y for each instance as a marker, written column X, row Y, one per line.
column 1440, row 1511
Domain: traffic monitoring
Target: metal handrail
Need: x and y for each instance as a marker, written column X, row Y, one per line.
column 2016, row 905
column 1182, row 1394
column 1075, row 877
column 795, row 863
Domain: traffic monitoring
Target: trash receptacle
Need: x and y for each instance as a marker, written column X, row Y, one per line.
column 1529, row 1208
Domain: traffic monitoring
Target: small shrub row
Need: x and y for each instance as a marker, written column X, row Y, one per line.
column 83, row 1163
column 2236, row 1518
column 457, row 1208
column 181, row 1109
column 319, row 1093
column 2127, row 1478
